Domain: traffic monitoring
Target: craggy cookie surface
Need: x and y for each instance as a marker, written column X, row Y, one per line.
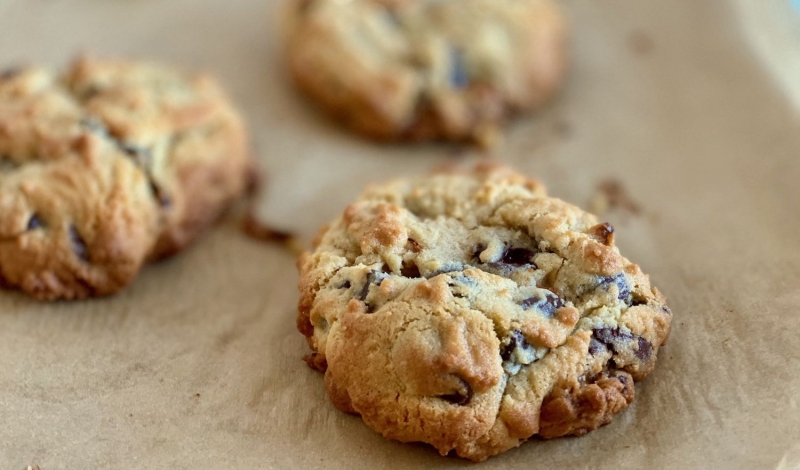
column 426, row 69
column 107, row 166
column 470, row 311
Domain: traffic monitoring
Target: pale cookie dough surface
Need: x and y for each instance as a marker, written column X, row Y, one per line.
column 425, row 69
column 107, row 166
column 471, row 311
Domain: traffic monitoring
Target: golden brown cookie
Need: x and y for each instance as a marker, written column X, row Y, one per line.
column 426, row 69
column 109, row 165
column 471, row 311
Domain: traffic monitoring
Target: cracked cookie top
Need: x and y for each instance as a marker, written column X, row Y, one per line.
column 105, row 166
column 427, row 69
column 469, row 310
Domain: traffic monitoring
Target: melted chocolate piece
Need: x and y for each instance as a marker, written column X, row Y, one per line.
column 612, row 337
column 141, row 155
column 478, row 250
column 452, row 269
column 373, row 278
column 515, row 340
column 461, row 396
column 163, row 200
column 621, row 283
column 518, row 257
column 34, row 222
column 596, row 347
column 78, row 244
column 645, row 349
column 410, row 270
column 459, row 76
column 548, row 304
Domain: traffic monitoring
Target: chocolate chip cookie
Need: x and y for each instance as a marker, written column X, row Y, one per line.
column 426, row 69
column 470, row 311
column 106, row 166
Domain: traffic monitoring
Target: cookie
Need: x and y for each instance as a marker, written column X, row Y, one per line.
column 470, row 311
column 107, row 166
column 426, row 69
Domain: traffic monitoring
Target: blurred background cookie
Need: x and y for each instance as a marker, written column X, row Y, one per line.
column 427, row 70
column 109, row 165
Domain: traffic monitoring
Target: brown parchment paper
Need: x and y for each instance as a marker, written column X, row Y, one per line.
column 197, row 365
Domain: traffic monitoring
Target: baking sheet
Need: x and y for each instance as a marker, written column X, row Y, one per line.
column 197, row 365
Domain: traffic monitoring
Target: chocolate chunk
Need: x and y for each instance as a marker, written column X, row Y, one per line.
column 604, row 233
column 449, row 269
column 623, row 379
column 612, row 337
column 78, row 244
column 460, row 397
column 158, row 193
column 596, row 347
column 515, row 340
column 548, row 303
column 362, row 296
column 410, row 270
column 34, row 222
column 460, row 281
column 373, row 278
column 478, row 250
column 518, row 257
column 622, row 285
column 345, row 285
column 459, row 76
column 645, row 349
column 415, row 246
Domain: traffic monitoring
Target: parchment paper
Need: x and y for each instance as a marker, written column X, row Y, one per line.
column 197, row 365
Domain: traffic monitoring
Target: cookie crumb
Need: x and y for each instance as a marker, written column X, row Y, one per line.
column 611, row 195
column 263, row 232
column 641, row 43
